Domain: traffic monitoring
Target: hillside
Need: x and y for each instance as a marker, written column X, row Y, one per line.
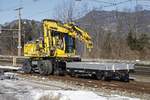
column 109, row 20
column 110, row 31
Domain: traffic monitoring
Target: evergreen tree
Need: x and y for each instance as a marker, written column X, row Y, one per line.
column 137, row 43
column 131, row 41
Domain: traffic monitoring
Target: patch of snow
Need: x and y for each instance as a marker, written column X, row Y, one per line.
column 137, row 60
column 43, row 78
column 9, row 67
column 74, row 95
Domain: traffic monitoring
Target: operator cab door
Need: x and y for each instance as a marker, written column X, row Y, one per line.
column 63, row 43
column 69, row 45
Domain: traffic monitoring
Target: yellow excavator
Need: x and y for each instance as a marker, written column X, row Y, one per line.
column 57, row 46
column 56, row 53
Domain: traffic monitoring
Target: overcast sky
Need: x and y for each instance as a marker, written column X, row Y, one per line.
column 40, row 9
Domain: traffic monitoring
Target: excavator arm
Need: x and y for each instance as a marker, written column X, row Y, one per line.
column 80, row 34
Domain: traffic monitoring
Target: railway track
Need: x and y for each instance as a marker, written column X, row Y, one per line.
column 131, row 87
column 142, row 68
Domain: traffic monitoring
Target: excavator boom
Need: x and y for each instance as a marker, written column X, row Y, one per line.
column 81, row 35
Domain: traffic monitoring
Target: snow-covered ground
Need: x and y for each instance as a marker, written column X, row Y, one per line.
column 35, row 90
column 9, row 67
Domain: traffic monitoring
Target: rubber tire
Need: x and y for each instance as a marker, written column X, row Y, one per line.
column 49, row 68
column 27, row 66
column 45, row 67
column 42, row 68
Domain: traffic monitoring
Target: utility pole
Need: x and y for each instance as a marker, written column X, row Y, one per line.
column 0, row 29
column 19, row 31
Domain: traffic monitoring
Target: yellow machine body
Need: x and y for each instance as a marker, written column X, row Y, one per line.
column 59, row 40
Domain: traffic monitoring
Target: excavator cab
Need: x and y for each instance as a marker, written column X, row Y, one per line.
column 62, row 44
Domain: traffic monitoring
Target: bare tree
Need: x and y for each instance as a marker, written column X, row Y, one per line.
column 64, row 11
column 69, row 10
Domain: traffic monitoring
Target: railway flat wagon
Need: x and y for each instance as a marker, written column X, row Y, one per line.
column 105, row 71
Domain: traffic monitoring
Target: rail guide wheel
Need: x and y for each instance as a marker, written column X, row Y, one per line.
column 99, row 75
column 125, row 77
